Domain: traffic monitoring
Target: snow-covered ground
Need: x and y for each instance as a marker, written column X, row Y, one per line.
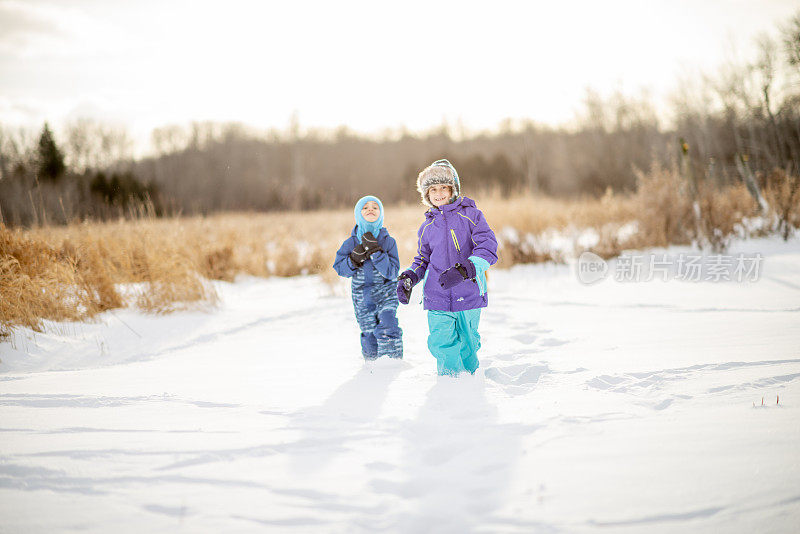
column 613, row 407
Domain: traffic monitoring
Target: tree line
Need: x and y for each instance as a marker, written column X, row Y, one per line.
column 747, row 112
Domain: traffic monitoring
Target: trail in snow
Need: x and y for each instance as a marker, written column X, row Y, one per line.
column 613, row 407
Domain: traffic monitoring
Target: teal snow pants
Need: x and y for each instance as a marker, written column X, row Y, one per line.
column 454, row 340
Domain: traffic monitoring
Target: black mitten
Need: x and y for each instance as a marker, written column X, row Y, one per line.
column 457, row 274
column 370, row 244
column 358, row 256
column 405, row 282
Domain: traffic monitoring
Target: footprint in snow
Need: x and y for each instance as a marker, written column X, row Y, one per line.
column 510, row 356
column 526, row 338
column 552, row 342
column 517, row 379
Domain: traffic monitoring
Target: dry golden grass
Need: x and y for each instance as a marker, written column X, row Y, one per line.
column 721, row 211
column 74, row 272
column 782, row 192
column 666, row 215
column 70, row 273
column 35, row 283
column 663, row 208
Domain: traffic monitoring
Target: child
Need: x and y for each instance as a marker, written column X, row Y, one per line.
column 369, row 256
column 455, row 247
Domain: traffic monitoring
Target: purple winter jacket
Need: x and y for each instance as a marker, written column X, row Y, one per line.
column 450, row 235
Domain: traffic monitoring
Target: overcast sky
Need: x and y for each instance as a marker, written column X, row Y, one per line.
column 367, row 65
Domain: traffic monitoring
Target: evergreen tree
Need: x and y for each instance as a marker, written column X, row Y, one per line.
column 50, row 160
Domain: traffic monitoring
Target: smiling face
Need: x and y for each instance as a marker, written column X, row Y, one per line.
column 371, row 211
column 440, row 194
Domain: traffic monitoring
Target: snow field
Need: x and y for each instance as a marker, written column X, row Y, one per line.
column 614, row 407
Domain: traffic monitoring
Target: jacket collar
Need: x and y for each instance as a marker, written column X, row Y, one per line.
column 457, row 204
column 383, row 231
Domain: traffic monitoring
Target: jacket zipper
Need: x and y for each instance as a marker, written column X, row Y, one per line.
column 455, row 240
column 449, row 259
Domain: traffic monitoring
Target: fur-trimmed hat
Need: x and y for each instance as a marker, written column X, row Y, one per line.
column 439, row 172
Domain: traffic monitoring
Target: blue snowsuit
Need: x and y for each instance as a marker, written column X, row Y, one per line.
column 374, row 288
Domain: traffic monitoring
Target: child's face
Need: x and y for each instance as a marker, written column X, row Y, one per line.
column 440, row 194
column 371, row 211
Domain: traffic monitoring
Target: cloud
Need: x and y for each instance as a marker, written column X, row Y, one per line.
column 19, row 20
column 25, row 26
column 35, row 30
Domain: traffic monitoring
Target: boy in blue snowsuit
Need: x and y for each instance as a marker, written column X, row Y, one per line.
column 455, row 247
column 369, row 257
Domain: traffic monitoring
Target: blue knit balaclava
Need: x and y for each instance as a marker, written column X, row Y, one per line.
column 363, row 225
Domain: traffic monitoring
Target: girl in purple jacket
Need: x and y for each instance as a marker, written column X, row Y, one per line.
column 455, row 247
